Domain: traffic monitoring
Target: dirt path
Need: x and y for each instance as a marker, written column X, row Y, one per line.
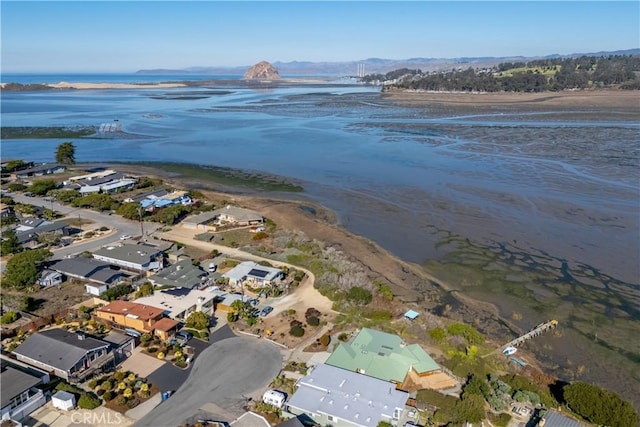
column 305, row 295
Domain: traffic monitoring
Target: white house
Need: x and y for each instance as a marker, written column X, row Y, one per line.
column 179, row 303
column 253, row 273
column 341, row 398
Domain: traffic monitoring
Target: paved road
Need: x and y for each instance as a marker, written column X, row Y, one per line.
column 114, row 222
column 222, row 374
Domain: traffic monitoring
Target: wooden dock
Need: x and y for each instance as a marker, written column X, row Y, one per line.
column 542, row 327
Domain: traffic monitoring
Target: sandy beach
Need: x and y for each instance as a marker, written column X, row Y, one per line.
column 68, row 85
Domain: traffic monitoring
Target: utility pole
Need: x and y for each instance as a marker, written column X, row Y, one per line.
column 141, row 225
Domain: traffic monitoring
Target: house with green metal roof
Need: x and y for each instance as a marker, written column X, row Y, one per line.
column 383, row 356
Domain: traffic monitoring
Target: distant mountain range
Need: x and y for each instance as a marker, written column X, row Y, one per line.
column 377, row 65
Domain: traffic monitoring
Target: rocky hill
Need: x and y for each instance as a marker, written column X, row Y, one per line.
column 262, row 71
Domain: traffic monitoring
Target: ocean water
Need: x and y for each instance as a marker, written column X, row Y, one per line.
column 108, row 78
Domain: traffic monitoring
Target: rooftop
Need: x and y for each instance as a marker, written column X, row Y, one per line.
column 381, row 355
column 356, row 398
column 39, row 168
column 183, row 273
column 57, row 347
column 89, row 268
column 165, row 324
column 14, row 382
column 177, row 300
column 239, row 214
column 135, row 253
column 132, row 309
column 252, row 269
column 201, row 218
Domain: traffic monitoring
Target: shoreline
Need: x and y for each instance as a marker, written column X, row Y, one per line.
column 414, row 285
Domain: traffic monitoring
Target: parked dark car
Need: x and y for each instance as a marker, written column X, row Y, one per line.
column 183, row 336
column 266, row 310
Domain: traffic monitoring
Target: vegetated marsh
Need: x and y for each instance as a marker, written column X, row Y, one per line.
column 597, row 313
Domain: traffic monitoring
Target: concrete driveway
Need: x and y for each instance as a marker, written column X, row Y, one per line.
column 226, row 371
column 142, row 364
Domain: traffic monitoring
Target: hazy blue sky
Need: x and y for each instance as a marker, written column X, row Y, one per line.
column 126, row 36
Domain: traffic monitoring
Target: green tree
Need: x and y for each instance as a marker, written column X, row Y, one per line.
column 117, row 291
column 10, row 243
column 437, row 334
column 66, row 153
column 13, row 165
column 66, row 195
column 22, row 269
column 600, row 406
column 131, row 210
column 198, row 320
column 42, row 186
column 145, row 290
column 470, row 409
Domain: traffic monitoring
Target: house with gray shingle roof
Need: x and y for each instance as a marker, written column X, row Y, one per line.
column 140, row 257
column 68, row 355
column 181, row 274
column 99, row 273
column 20, row 393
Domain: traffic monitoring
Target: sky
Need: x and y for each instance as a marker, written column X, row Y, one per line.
column 126, row 36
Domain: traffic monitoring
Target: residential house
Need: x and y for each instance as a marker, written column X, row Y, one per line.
column 50, row 278
column 93, row 175
column 181, row 274
column 223, row 300
column 6, row 211
column 202, row 221
column 38, row 170
column 165, row 328
column 161, row 199
column 179, row 303
column 341, row 398
column 554, row 418
column 139, row 257
column 134, row 316
column 110, row 187
column 238, row 216
column 122, row 345
column 68, row 355
column 20, row 393
column 29, row 237
column 253, row 274
column 384, row 356
column 100, row 275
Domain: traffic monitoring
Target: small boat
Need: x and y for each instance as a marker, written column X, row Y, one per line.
column 509, row 351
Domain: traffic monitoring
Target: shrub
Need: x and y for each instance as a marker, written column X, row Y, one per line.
column 312, row 312
column 107, row 396
column 121, row 400
column 358, row 295
column 107, row 385
column 161, row 355
column 119, row 376
column 343, row 337
column 260, row 235
column 296, row 331
column 92, row 384
column 133, row 403
column 295, row 323
column 88, row 401
column 100, row 392
column 313, row 321
column 325, row 340
column 152, row 349
column 9, row 317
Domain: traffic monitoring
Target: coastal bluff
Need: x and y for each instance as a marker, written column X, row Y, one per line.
column 262, row 71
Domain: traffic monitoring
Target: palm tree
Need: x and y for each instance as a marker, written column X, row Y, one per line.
column 65, row 153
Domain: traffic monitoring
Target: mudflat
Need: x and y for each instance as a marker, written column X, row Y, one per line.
column 584, row 99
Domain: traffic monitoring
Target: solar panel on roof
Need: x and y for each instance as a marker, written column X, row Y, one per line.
column 258, row 273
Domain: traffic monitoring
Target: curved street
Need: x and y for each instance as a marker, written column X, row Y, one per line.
column 222, row 375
